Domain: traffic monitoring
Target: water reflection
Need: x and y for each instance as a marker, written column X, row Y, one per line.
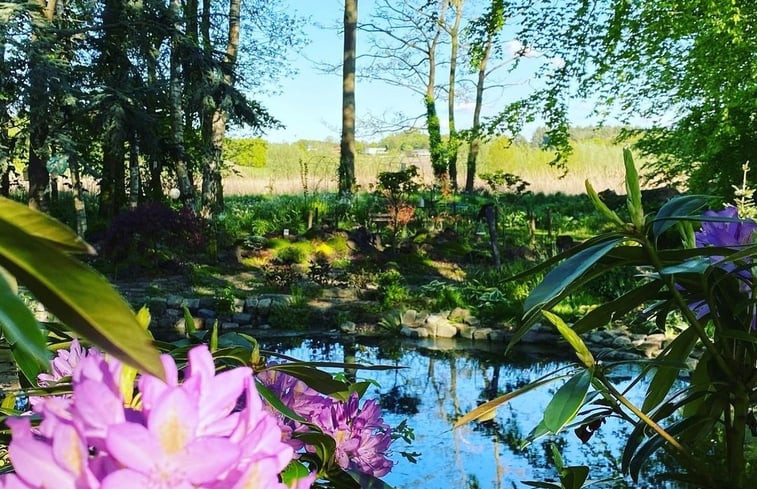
column 441, row 381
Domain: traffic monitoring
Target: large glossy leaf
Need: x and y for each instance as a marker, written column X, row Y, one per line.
column 677, row 352
column 42, row 226
column 575, row 341
column 617, row 308
column 488, row 407
column 673, row 210
column 78, row 296
column 23, row 333
column 567, row 401
column 561, row 276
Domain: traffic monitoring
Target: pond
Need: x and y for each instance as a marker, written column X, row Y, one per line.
column 441, row 381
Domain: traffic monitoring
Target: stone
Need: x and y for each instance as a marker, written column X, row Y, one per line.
column 409, row 317
column 460, row 315
column 622, row 342
column 250, row 304
column 207, row 302
column 466, row 331
column 473, row 321
column 498, row 335
column 419, row 332
column 174, row 301
column 264, row 305
column 265, row 326
column 242, row 318
column 229, row 326
column 440, row 327
column 192, row 304
column 207, row 313
column 482, row 333
column 157, row 306
column 174, row 314
column 348, row 327
column 649, row 349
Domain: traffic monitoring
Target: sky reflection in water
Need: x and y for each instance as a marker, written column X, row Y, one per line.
column 444, row 380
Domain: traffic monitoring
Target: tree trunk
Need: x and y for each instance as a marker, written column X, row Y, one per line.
column 39, row 178
column 436, row 146
column 79, row 208
column 133, row 173
column 475, row 142
column 177, row 127
column 453, row 144
column 212, row 185
column 347, row 153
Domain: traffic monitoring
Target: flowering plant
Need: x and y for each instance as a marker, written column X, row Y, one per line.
column 707, row 424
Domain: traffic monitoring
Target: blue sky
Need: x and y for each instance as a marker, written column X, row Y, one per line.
column 309, row 102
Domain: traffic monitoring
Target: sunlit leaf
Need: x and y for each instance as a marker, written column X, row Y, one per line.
column 633, row 190
column 293, row 472
column 317, row 379
column 78, row 296
column 575, row 341
column 486, row 408
column 367, row 481
column 41, row 226
column 567, row 401
column 601, row 206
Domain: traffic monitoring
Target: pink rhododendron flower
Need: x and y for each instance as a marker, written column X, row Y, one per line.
column 187, row 435
column 362, row 438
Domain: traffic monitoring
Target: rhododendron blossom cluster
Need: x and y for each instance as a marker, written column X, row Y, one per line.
column 362, row 438
column 209, row 431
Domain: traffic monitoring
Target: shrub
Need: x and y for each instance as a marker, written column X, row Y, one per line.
column 152, row 234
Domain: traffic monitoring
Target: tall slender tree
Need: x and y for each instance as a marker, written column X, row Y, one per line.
column 453, row 143
column 347, row 150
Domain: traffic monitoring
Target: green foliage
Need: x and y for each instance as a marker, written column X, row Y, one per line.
column 291, row 254
column 406, row 140
column 36, row 249
column 685, row 62
column 675, row 279
column 393, row 289
column 246, row 152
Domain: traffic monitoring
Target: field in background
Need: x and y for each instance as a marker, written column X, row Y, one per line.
column 293, row 168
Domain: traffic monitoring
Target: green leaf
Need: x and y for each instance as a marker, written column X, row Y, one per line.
column 367, row 481
column 42, row 226
column 677, row 351
column 544, row 485
column 601, row 206
column 575, row 341
column 317, row 379
column 561, row 276
column 294, row 472
column 276, row 403
column 617, row 308
column 214, row 337
column 573, row 477
column 488, row 407
column 673, row 210
column 633, row 191
column 79, row 297
column 23, row 333
column 189, row 322
column 567, row 401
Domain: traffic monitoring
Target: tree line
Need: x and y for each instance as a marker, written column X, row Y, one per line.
column 135, row 93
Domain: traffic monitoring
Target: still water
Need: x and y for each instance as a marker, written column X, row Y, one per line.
column 441, row 381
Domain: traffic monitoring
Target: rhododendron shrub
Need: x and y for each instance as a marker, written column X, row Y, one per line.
column 209, row 431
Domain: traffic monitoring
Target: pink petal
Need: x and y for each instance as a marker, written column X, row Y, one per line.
column 125, row 479
column 97, row 406
column 69, row 449
column 201, row 364
column 33, row 459
column 173, row 421
column 205, row 459
column 11, row 481
column 134, row 446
